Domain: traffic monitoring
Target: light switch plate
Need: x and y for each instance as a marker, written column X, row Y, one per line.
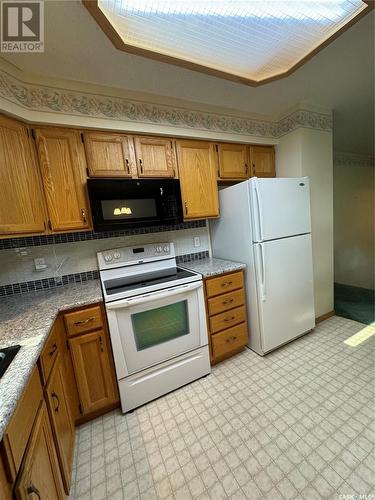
column 197, row 241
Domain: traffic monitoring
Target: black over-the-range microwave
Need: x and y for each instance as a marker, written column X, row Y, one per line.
column 118, row 204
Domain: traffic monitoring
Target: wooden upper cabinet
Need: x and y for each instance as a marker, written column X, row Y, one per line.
column 233, row 161
column 262, row 159
column 22, row 208
column 94, row 371
column 109, row 155
column 62, row 164
column 40, row 474
column 61, row 420
column 197, row 171
column 155, row 157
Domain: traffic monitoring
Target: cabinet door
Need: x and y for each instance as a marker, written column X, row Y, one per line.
column 262, row 159
column 5, row 486
column 93, row 370
column 109, row 155
column 40, row 475
column 61, row 420
column 155, row 157
column 22, row 209
column 233, row 161
column 197, row 171
column 62, row 164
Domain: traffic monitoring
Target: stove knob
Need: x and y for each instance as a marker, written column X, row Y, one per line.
column 158, row 249
column 166, row 248
column 116, row 255
column 108, row 257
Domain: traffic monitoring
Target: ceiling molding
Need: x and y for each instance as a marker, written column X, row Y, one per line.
column 109, row 30
column 343, row 159
column 42, row 98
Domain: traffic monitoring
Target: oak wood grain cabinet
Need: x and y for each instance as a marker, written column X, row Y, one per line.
column 63, row 169
column 155, row 156
column 22, row 208
column 94, row 371
column 19, row 428
column 109, row 155
column 61, row 420
column 262, row 160
column 40, row 476
column 233, row 162
column 5, row 485
column 197, row 172
column 226, row 315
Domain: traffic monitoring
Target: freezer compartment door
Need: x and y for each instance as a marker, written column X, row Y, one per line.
column 280, row 207
column 285, row 289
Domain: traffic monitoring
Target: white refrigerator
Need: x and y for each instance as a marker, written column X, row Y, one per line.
column 266, row 224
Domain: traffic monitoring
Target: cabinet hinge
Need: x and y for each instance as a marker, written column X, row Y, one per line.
column 80, row 408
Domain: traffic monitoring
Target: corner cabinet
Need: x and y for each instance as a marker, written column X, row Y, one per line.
column 109, row 155
column 233, row 161
column 155, row 157
column 197, row 171
column 40, row 475
column 262, row 160
column 22, row 209
column 63, row 169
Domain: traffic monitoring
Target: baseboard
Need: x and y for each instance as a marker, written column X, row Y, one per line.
column 325, row 316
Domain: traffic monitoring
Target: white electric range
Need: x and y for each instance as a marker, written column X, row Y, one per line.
column 157, row 321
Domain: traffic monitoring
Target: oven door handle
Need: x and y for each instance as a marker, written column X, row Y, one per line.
column 147, row 297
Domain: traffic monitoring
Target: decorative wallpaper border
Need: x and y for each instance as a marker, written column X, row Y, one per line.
column 67, row 279
column 56, row 100
column 53, row 239
column 342, row 159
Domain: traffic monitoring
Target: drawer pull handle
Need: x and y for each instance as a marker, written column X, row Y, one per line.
column 230, row 318
column 101, row 343
column 33, row 490
column 231, row 339
column 53, row 350
column 55, row 396
column 83, row 322
column 227, row 283
column 228, row 301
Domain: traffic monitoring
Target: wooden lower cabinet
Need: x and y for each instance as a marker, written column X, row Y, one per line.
column 61, row 420
column 226, row 315
column 94, row 371
column 5, row 486
column 40, row 476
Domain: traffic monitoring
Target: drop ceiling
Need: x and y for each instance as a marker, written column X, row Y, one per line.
column 253, row 41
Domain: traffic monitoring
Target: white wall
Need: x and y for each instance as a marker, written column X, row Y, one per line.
column 354, row 221
column 307, row 152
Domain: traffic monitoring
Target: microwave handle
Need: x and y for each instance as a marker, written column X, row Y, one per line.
column 148, row 297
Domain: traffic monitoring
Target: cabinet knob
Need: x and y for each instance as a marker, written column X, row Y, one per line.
column 34, row 490
column 186, row 208
column 127, row 164
column 55, row 396
column 141, row 165
column 53, row 350
column 83, row 213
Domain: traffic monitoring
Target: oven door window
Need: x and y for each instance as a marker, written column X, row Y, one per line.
column 156, row 326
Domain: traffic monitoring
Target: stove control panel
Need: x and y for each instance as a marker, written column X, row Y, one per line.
column 135, row 255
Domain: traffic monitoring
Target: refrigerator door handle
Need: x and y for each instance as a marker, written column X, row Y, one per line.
column 263, row 282
column 259, row 209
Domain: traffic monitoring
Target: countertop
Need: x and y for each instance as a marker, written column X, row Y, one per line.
column 26, row 319
column 212, row 266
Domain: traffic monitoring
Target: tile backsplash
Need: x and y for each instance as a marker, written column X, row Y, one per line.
column 76, row 260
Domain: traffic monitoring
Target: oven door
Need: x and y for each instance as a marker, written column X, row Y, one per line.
column 154, row 327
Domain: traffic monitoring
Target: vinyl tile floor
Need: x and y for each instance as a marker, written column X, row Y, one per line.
column 296, row 424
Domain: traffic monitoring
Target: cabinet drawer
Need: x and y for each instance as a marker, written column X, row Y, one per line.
column 226, row 301
column 227, row 319
column 223, row 284
column 18, row 431
column 229, row 340
column 49, row 353
column 84, row 320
